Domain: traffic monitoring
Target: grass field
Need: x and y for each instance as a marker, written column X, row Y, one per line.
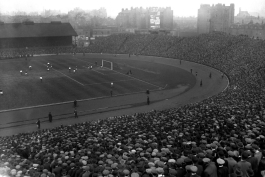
column 60, row 85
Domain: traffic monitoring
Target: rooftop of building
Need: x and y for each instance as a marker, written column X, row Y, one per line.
column 31, row 29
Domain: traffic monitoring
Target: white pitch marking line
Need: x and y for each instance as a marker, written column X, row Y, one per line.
column 110, row 82
column 68, row 77
column 113, row 73
column 67, row 102
column 132, row 67
column 136, row 78
column 97, row 71
column 94, row 70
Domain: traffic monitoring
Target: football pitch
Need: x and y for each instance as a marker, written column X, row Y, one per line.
column 60, row 84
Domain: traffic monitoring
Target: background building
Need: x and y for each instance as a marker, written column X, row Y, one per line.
column 203, row 19
column 150, row 18
column 215, row 18
column 252, row 30
column 222, row 18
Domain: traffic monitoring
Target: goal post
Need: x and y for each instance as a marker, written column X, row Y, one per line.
column 107, row 64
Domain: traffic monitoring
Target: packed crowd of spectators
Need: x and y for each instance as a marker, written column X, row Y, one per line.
column 222, row 136
column 30, row 52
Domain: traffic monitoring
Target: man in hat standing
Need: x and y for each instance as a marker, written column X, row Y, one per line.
column 179, row 169
column 188, row 171
column 79, row 169
column 75, row 103
column 57, row 170
column 87, row 171
column 195, row 161
column 147, row 92
column 222, row 171
column 253, row 161
column 75, row 113
column 244, row 166
column 193, row 170
column 148, row 100
column 38, row 123
column 231, row 162
column 50, row 117
column 210, row 168
column 256, row 151
column 221, row 155
column 46, row 164
column 262, row 163
column 72, row 170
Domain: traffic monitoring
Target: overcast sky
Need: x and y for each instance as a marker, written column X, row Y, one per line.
column 181, row 8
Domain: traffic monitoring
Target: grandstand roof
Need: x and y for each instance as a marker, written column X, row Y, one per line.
column 17, row 30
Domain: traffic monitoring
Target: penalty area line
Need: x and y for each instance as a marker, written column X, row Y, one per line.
column 136, row 79
column 109, row 82
column 94, row 70
column 97, row 71
column 68, row 77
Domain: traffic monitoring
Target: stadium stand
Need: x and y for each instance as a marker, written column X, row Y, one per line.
column 224, row 134
column 30, row 34
column 29, row 38
column 30, row 52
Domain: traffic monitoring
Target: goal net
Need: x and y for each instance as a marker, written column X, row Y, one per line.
column 107, row 64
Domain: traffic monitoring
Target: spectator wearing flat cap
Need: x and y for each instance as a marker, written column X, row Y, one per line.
column 253, row 161
column 87, row 172
column 79, row 170
column 72, row 170
column 210, row 168
column 194, row 170
column 187, row 161
column 188, row 170
column 46, row 165
column 257, row 152
column 222, row 171
column 261, row 164
column 195, row 161
column 231, row 162
column 179, row 169
column 221, row 155
column 244, row 166
column 57, row 170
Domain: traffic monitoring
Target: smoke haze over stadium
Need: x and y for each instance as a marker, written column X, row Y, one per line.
column 180, row 8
